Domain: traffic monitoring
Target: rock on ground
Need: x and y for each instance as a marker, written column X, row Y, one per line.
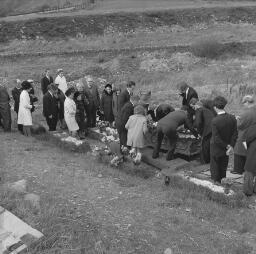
column 33, row 200
column 19, row 186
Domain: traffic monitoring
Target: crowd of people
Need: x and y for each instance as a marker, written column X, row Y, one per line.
column 76, row 108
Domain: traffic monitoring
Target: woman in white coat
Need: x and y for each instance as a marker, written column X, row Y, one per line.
column 70, row 112
column 24, row 113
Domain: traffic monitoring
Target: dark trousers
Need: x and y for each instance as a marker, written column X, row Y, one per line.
column 205, row 149
column 249, row 186
column 239, row 162
column 5, row 113
column 172, row 139
column 218, row 167
column 91, row 116
column 122, row 132
column 52, row 123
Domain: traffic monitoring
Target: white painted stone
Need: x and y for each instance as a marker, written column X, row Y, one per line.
column 168, row 251
column 19, row 186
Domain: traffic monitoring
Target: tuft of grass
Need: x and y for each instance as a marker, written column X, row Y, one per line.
column 207, row 48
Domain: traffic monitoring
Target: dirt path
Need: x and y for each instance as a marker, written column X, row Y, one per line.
column 134, row 6
column 87, row 205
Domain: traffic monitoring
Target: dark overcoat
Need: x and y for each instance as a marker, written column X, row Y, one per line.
column 250, row 138
column 106, row 106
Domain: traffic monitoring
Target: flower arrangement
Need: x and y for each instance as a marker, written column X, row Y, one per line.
column 227, row 183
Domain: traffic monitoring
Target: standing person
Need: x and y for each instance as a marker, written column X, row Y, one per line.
column 168, row 126
column 137, row 128
column 203, row 125
column 50, row 107
column 24, row 115
column 249, row 186
column 187, row 93
column 46, row 81
column 123, row 116
column 5, row 109
column 224, row 136
column 70, row 112
column 126, row 93
column 115, row 102
column 32, row 96
column 92, row 94
column 106, row 102
column 60, row 96
column 81, row 105
column 16, row 91
column 60, row 80
column 244, row 121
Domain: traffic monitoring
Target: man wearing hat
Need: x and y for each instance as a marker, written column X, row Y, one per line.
column 50, row 107
column 60, row 80
column 5, row 111
column 92, row 94
column 46, row 81
column 224, row 136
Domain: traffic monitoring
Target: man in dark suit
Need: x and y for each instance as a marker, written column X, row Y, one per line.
column 224, row 136
column 168, row 126
column 50, row 107
column 124, row 96
column 5, row 109
column 203, row 125
column 123, row 116
column 92, row 94
column 46, row 81
column 161, row 111
column 187, row 93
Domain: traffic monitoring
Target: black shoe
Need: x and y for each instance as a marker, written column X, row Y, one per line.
column 235, row 172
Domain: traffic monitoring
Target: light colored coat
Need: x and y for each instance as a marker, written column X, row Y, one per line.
column 69, row 114
column 24, row 114
column 137, row 127
column 61, row 81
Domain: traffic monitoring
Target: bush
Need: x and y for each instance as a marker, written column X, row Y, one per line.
column 207, row 47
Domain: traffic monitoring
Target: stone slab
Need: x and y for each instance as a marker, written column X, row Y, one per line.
column 228, row 175
column 15, row 235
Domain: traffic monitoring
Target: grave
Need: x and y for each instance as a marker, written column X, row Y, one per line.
column 15, row 235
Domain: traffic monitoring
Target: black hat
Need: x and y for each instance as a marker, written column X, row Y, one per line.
column 26, row 85
column 108, row 85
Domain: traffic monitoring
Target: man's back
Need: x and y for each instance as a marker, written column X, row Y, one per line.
column 224, row 132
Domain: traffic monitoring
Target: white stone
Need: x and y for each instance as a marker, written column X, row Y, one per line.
column 33, row 200
column 168, row 251
column 19, row 186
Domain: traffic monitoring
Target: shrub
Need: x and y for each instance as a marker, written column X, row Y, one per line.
column 207, row 47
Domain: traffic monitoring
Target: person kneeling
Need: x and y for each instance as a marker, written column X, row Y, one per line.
column 70, row 112
column 137, row 128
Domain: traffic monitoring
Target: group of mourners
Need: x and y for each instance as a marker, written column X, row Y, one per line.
column 76, row 108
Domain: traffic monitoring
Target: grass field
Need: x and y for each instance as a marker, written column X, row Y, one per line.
column 89, row 207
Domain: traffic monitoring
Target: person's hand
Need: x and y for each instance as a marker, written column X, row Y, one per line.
column 229, row 150
column 50, row 116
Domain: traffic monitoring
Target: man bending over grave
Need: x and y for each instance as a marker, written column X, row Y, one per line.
column 168, row 126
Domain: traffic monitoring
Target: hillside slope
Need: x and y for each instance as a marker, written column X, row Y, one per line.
column 9, row 7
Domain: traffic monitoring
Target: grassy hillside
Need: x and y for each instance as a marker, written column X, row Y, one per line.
column 9, row 7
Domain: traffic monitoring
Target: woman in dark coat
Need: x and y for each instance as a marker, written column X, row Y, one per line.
column 60, row 96
column 106, row 104
column 250, row 164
